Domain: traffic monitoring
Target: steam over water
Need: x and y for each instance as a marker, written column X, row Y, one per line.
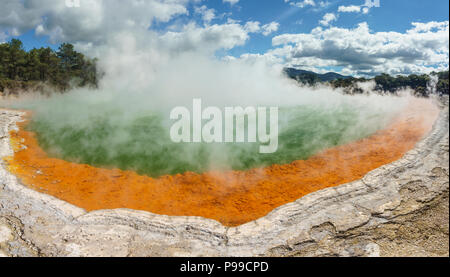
column 126, row 122
column 130, row 130
column 142, row 143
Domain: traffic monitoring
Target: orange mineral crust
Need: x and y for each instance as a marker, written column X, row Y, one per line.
column 233, row 197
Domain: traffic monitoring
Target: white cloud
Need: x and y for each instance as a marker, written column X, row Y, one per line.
column 349, row 9
column 253, row 26
column 423, row 48
column 327, row 19
column 16, row 19
column 372, row 3
column 94, row 21
column 207, row 14
column 231, row 2
column 270, row 28
column 97, row 23
column 205, row 39
column 365, row 8
column 427, row 27
column 266, row 29
column 313, row 5
column 301, row 4
column 267, row 59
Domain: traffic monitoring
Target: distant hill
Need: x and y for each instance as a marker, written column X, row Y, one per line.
column 422, row 85
column 308, row 76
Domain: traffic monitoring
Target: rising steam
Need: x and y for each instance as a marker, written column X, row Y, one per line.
column 125, row 123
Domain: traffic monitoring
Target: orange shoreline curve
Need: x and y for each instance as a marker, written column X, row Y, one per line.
column 232, row 198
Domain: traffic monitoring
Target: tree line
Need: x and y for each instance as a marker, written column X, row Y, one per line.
column 384, row 82
column 387, row 83
column 34, row 69
column 419, row 83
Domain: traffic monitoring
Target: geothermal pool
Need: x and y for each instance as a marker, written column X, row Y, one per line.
column 60, row 164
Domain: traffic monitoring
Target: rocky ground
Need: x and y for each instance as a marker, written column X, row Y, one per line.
column 401, row 209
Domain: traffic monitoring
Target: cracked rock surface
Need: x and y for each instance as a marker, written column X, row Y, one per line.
column 400, row 209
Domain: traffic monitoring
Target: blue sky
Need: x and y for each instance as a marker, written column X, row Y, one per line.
column 56, row 24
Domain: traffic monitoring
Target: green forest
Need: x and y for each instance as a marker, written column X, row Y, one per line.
column 384, row 82
column 36, row 69
column 387, row 83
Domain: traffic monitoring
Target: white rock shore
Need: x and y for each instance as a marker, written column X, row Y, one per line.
column 400, row 209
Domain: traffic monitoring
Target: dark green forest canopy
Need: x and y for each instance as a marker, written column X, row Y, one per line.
column 28, row 70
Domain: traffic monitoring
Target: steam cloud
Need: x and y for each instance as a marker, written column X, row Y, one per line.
column 128, row 116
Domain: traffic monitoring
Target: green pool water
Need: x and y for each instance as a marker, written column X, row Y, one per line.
column 142, row 142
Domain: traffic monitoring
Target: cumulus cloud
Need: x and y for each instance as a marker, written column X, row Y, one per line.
column 252, row 26
column 207, row 14
column 423, row 48
column 93, row 22
column 372, row 3
column 349, row 9
column 311, row 4
column 428, row 27
column 270, row 28
column 301, row 4
column 207, row 39
column 327, row 19
column 16, row 19
column 231, row 2
column 364, row 8
column 98, row 23
column 266, row 29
